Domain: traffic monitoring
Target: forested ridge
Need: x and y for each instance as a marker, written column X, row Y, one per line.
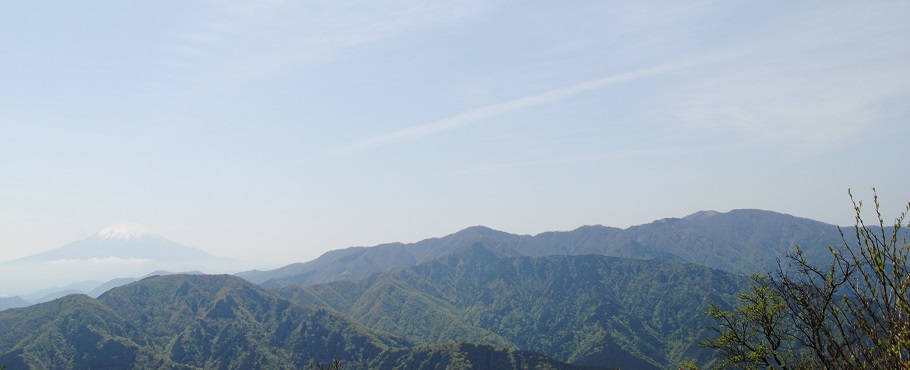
column 483, row 303
column 473, row 306
column 213, row 321
column 588, row 310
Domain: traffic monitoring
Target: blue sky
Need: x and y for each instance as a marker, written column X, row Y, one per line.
column 275, row 131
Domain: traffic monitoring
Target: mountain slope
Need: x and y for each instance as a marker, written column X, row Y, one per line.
column 73, row 332
column 587, row 310
column 740, row 241
column 182, row 321
column 466, row 356
column 223, row 320
column 202, row 322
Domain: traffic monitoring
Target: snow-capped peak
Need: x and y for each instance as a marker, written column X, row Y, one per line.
column 124, row 231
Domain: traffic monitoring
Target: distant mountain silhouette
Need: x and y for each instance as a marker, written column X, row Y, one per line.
column 110, row 284
column 127, row 242
column 124, row 250
column 739, row 241
column 12, row 302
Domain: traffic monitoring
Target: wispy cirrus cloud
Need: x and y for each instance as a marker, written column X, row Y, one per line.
column 792, row 109
column 812, row 81
column 229, row 43
column 478, row 115
column 100, row 261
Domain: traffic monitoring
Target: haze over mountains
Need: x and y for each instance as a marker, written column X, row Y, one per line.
column 594, row 296
column 123, row 250
column 740, row 241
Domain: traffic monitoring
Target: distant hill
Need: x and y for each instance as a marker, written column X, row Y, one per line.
column 110, row 284
column 586, row 310
column 211, row 321
column 739, row 241
column 12, row 302
column 48, row 294
column 91, row 288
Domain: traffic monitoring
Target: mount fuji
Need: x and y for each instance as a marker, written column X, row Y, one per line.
column 121, row 250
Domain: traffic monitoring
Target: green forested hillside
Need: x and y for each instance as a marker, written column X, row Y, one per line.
column 74, row 332
column 588, row 310
column 477, row 295
column 466, row 356
column 209, row 322
column 216, row 321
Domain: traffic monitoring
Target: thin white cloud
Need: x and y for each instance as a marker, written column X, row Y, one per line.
column 112, row 260
column 791, row 109
column 812, row 82
column 483, row 113
column 235, row 42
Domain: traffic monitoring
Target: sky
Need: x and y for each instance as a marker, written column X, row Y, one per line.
column 275, row 131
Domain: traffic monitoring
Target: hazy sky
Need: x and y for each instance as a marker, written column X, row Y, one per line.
column 274, row 131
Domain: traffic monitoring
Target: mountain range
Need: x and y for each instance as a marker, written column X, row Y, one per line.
column 587, row 310
column 594, row 297
column 740, row 241
column 218, row 321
